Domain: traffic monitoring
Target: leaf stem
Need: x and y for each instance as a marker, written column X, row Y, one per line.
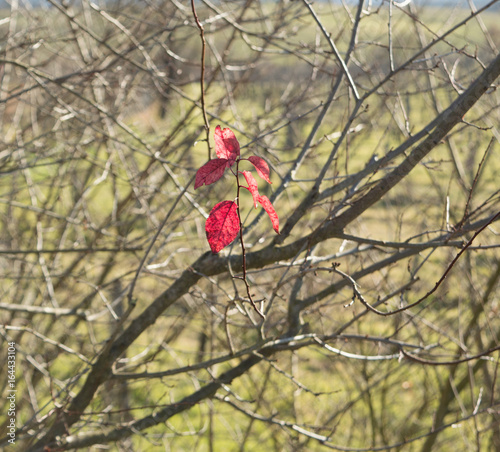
column 243, row 252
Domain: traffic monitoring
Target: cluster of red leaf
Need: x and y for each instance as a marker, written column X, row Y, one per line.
column 223, row 223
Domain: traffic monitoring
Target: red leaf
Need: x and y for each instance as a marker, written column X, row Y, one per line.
column 252, row 186
column 268, row 207
column 226, row 145
column 222, row 225
column 261, row 166
column 210, row 172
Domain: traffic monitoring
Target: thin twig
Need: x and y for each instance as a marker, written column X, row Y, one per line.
column 482, row 355
column 243, row 252
column 158, row 232
column 359, row 296
column 74, row 250
column 202, row 77
column 474, row 183
column 334, row 49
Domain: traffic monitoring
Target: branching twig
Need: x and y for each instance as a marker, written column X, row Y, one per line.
column 360, row 297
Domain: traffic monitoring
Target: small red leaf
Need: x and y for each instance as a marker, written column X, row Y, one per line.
column 268, row 207
column 252, row 186
column 226, row 145
column 222, row 225
column 261, row 166
column 210, row 172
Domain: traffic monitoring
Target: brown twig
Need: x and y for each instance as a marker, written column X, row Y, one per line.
column 202, row 76
column 359, row 296
column 74, row 250
column 428, row 362
column 474, row 183
column 243, row 252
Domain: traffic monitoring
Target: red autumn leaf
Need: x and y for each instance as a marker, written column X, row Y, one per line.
column 226, row 145
column 222, row 225
column 252, row 186
column 268, row 207
column 261, row 166
column 210, row 172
